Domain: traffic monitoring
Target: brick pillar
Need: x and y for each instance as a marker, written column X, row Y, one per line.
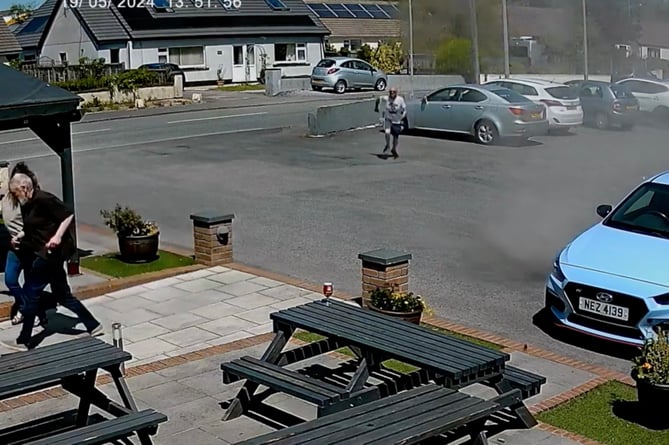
column 384, row 268
column 212, row 238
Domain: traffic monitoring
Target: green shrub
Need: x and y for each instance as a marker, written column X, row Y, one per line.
column 86, row 84
column 388, row 58
column 454, row 56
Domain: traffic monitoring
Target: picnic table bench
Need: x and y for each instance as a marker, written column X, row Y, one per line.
column 406, row 418
column 74, row 365
column 374, row 338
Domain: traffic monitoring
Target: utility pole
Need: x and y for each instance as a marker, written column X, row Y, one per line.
column 585, row 40
column 473, row 23
column 411, row 63
column 505, row 20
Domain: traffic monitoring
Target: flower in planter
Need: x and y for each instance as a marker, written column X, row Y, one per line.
column 652, row 364
column 395, row 301
column 127, row 222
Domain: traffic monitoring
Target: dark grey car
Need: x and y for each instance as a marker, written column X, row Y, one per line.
column 606, row 105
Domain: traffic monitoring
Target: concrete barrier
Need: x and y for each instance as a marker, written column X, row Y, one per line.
column 561, row 78
column 341, row 117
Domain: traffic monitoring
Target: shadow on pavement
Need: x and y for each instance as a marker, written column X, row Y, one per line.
column 57, row 324
column 460, row 137
column 545, row 321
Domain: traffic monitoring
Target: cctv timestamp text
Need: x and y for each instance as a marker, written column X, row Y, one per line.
column 157, row 4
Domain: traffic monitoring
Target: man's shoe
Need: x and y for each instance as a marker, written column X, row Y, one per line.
column 14, row 345
column 96, row 332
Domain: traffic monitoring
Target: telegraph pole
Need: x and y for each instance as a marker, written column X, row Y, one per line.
column 475, row 40
column 505, row 20
column 411, row 63
column 585, row 41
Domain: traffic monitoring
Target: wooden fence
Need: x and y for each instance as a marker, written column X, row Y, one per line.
column 64, row 73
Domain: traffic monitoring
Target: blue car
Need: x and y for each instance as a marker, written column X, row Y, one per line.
column 612, row 281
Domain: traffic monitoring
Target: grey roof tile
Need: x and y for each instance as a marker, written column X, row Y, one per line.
column 29, row 33
column 8, row 43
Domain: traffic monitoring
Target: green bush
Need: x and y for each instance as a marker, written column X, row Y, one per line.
column 388, row 58
column 86, row 84
column 365, row 53
column 454, row 56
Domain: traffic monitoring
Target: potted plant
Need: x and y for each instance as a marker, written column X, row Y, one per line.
column 404, row 305
column 651, row 373
column 137, row 238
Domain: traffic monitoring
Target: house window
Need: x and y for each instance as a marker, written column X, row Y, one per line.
column 63, row 58
column 114, row 56
column 290, row 52
column 187, row 56
column 162, row 55
column 238, row 54
column 654, row 53
column 29, row 58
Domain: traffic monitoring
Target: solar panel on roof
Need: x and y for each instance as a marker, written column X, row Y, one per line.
column 321, row 11
column 376, row 11
column 341, row 11
column 357, row 11
column 37, row 24
column 391, row 10
column 276, row 4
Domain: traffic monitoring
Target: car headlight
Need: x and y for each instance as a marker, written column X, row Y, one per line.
column 662, row 299
column 557, row 270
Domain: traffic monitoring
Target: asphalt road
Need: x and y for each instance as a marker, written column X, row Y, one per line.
column 482, row 223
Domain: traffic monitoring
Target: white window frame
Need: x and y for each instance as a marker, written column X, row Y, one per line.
column 163, row 52
column 178, row 48
column 301, row 56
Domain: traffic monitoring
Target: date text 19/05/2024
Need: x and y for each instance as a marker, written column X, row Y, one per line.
column 167, row 4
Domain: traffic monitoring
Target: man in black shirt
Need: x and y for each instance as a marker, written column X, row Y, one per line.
column 48, row 241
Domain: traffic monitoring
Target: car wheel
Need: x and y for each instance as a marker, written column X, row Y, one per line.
column 315, row 88
column 380, row 85
column 486, row 132
column 340, row 87
column 602, row 121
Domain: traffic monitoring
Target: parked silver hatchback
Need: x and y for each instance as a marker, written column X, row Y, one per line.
column 346, row 73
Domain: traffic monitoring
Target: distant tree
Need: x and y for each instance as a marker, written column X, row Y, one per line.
column 365, row 53
column 454, row 56
column 388, row 57
column 20, row 12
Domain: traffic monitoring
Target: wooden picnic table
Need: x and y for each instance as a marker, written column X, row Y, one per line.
column 74, row 365
column 374, row 338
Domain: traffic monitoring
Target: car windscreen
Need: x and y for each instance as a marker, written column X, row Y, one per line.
column 510, row 96
column 621, row 92
column 645, row 211
column 562, row 92
column 326, row 63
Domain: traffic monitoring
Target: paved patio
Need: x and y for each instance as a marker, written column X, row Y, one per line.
column 219, row 306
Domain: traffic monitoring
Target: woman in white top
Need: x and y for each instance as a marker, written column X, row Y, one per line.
column 11, row 215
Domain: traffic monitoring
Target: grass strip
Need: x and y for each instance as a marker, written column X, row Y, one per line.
column 608, row 414
column 111, row 265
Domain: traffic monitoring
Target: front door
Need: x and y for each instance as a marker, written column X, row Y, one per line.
column 244, row 64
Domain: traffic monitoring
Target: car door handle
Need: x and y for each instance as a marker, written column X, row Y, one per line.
column 478, row 107
column 446, row 107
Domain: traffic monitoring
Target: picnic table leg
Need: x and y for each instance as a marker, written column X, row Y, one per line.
column 242, row 401
column 122, row 388
column 86, row 397
column 525, row 418
column 478, row 434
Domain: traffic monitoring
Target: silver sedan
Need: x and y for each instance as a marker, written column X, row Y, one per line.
column 489, row 113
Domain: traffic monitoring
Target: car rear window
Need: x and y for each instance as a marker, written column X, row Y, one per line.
column 510, row 96
column 621, row 92
column 562, row 92
column 326, row 63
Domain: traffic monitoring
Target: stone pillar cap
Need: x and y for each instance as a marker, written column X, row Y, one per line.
column 385, row 257
column 211, row 217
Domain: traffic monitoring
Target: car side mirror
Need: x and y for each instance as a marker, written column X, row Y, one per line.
column 604, row 210
column 423, row 100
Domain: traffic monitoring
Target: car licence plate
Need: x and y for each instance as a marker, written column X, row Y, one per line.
column 606, row 309
column 631, row 108
column 535, row 115
column 571, row 107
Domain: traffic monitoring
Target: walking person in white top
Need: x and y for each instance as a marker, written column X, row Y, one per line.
column 394, row 114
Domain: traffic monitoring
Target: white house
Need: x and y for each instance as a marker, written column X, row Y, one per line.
column 211, row 40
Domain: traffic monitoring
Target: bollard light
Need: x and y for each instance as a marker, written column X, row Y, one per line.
column 117, row 338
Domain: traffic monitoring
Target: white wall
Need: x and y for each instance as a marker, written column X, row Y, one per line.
column 218, row 56
column 66, row 35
